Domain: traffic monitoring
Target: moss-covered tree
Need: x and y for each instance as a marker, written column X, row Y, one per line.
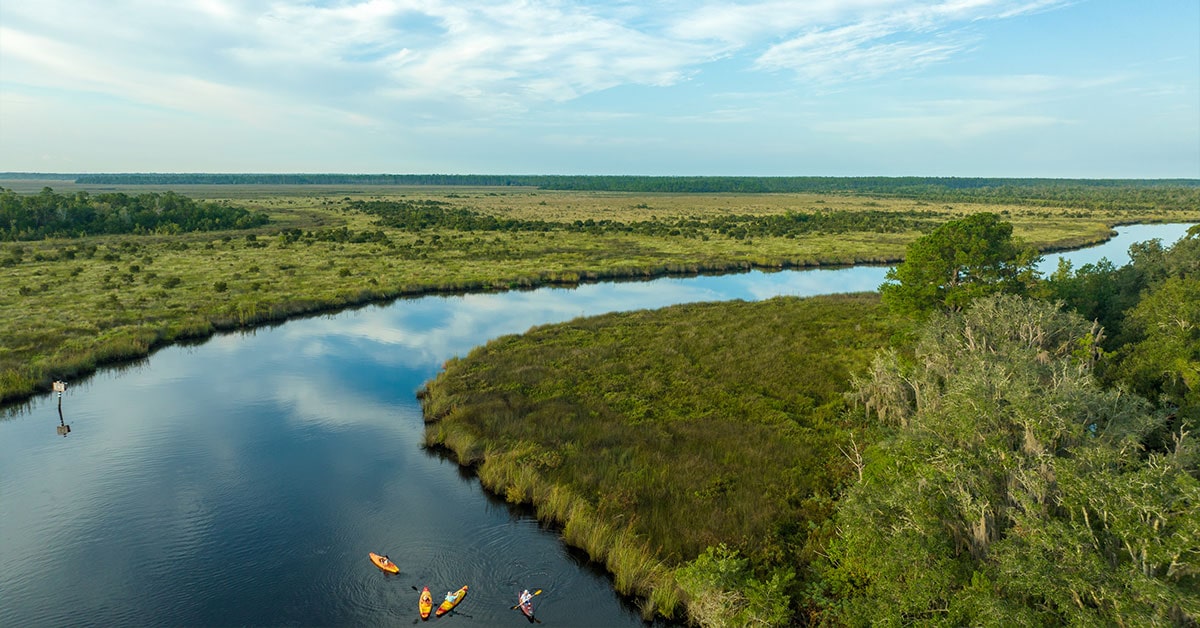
column 1015, row 490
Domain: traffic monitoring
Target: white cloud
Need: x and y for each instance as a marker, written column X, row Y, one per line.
column 878, row 38
column 855, row 53
column 460, row 85
column 485, row 55
column 750, row 23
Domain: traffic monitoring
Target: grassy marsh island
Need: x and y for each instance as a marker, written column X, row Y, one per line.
column 653, row 435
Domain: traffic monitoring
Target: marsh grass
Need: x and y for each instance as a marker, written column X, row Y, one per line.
column 652, row 435
column 60, row 299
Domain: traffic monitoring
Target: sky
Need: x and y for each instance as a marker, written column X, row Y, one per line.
column 991, row 88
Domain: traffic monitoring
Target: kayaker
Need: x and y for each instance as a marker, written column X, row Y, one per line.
column 526, row 596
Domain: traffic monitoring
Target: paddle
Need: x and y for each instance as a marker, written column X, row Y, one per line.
column 535, row 593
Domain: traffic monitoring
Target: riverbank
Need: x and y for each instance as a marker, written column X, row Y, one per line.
column 72, row 306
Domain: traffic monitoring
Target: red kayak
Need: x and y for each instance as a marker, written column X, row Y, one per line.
column 525, row 603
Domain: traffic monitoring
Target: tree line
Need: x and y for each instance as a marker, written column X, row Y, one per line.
column 52, row 215
column 1077, row 193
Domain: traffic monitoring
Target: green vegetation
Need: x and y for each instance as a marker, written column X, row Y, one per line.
column 737, row 461
column 959, row 262
column 1149, row 311
column 427, row 214
column 1012, row 488
column 50, row 215
column 69, row 304
column 981, row 472
column 659, row 434
column 1092, row 193
column 722, row 591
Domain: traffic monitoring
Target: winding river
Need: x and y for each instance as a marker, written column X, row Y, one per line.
column 242, row 481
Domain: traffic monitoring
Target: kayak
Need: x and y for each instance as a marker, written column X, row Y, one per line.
column 527, row 605
column 452, row 600
column 426, row 603
column 384, row 563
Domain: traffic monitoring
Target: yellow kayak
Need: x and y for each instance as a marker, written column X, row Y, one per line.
column 426, row 603
column 452, row 600
column 384, row 563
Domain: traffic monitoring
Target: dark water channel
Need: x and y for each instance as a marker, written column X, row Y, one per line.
column 242, row 481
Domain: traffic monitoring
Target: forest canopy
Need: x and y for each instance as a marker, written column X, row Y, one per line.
column 1014, row 489
column 52, row 215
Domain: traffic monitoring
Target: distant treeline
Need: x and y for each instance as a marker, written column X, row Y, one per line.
column 38, row 176
column 630, row 183
column 429, row 214
column 1085, row 193
column 52, row 215
column 167, row 178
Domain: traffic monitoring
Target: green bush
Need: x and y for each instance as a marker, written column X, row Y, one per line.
column 723, row 592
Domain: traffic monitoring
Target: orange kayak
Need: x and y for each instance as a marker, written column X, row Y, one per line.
column 384, row 563
column 426, row 603
column 452, row 600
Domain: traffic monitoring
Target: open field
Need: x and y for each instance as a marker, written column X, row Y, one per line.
column 68, row 305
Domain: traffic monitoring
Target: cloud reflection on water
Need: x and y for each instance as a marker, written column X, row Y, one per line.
column 191, row 447
column 424, row 332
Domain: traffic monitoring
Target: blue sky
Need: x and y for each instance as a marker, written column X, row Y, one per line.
column 1007, row 88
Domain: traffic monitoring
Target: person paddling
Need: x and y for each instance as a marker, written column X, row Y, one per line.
column 525, row 603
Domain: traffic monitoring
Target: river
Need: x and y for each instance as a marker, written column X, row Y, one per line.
column 242, row 481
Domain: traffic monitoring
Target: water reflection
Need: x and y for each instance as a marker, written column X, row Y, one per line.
column 1116, row 250
column 63, row 428
column 59, row 388
column 421, row 333
column 242, row 480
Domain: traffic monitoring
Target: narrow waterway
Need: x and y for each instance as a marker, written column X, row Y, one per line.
column 242, row 481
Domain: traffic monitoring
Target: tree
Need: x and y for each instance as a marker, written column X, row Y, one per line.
column 1014, row 490
column 959, row 262
column 1161, row 358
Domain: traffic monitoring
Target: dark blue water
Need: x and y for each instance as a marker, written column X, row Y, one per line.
column 241, row 482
